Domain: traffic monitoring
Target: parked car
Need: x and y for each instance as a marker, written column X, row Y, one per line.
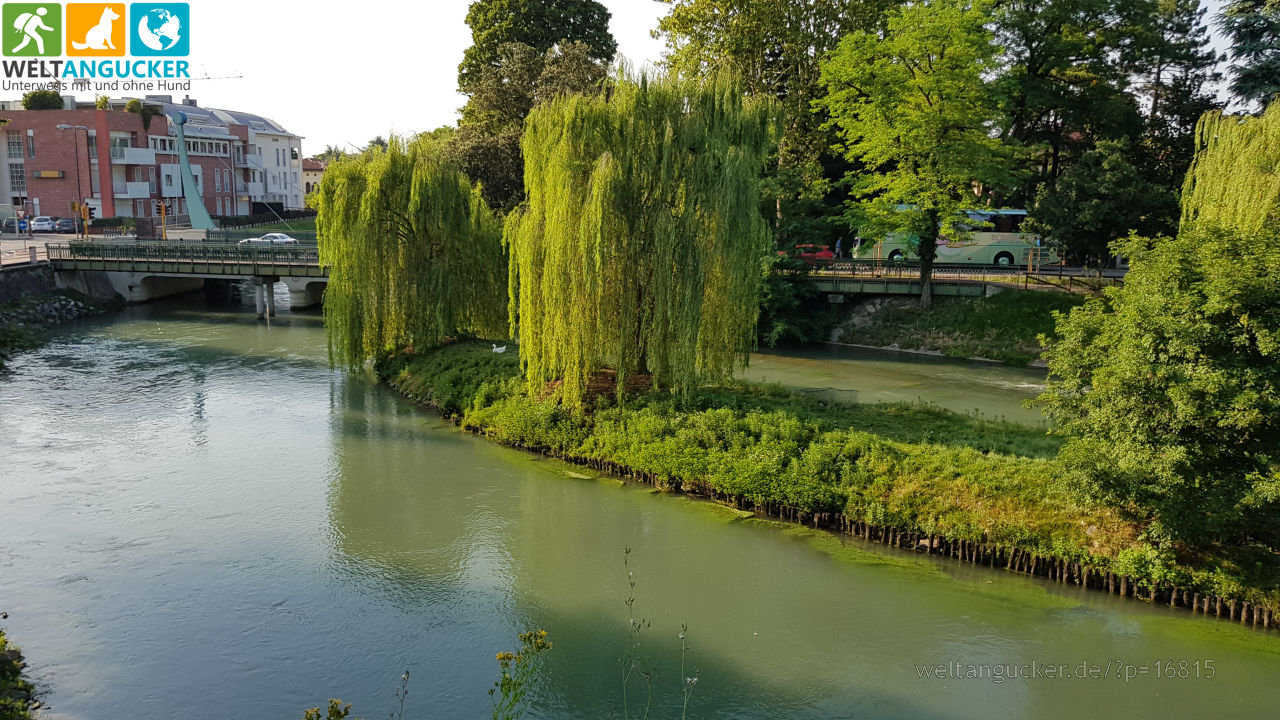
column 15, row 225
column 269, row 239
column 43, row 223
column 65, row 225
column 812, row 253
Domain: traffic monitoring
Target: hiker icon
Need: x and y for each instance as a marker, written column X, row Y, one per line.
column 30, row 25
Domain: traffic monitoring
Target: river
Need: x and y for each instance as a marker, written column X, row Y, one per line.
column 199, row 519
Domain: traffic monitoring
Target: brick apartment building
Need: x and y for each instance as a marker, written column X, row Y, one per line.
column 240, row 161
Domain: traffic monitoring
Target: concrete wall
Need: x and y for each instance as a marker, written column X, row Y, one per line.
column 19, row 283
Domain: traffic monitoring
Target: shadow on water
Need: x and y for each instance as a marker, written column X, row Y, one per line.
column 472, row 544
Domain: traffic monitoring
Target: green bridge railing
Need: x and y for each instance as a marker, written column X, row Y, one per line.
column 201, row 258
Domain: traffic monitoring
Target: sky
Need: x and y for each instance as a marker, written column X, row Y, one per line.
column 340, row 73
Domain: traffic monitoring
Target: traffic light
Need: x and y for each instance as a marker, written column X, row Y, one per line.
column 93, row 212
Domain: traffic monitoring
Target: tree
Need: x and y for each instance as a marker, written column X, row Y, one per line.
column 1100, row 199
column 331, row 153
column 777, row 47
column 1233, row 181
column 1169, row 388
column 102, row 102
column 42, row 100
column 539, row 24
column 1065, row 67
column 414, row 252
column 487, row 145
column 1175, row 63
column 913, row 107
column 1253, row 29
column 378, row 143
column 639, row 246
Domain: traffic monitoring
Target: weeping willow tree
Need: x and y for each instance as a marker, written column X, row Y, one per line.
column 415, row 254
column 639, row 245
column 1234, row 181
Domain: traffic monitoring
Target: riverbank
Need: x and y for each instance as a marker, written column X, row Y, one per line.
column 23, row 324
column 923, row 479
column 17, row 694
column 1002, row 327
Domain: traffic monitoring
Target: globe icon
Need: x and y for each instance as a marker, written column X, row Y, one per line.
column 160, row 30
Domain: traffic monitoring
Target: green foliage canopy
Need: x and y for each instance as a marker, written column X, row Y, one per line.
column 415, row 253
column 1099, row 200
column 912, row 105
column 1170, row 387
column 487, row 144
column 1253, row 29
column 540, row 24
column 640, row 243
column 42, row 100
column 1234, row 181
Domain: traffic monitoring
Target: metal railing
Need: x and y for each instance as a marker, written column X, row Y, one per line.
column 910, row 269
column 189, row 257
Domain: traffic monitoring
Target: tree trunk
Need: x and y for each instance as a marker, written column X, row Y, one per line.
column 928, row 251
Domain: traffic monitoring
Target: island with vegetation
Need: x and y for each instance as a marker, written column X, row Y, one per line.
column 634, row 267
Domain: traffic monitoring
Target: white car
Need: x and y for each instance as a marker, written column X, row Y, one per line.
column 268, row 239
column 44, row 223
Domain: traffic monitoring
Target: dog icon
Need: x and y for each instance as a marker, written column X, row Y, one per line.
column 99, row 36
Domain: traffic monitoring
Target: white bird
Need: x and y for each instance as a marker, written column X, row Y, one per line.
column 499, row 349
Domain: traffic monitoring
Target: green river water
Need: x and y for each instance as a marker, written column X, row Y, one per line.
column 199, row 519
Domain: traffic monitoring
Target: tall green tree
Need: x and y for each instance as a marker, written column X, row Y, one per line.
column 1065, row 69
column 1235, row 179
column 639, row 247
column 1253, row 29
column 487, row 144
column 1101, row 199
column 540, row 24
column 913, row 106
column 777, row 47
column 1169, row 388
column 414, row 251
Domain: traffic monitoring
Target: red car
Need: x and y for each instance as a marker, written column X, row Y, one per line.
column 811, row 253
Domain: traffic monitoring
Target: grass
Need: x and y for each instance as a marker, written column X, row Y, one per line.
column 912, row 467
column 1002, row 327
column 303, row 225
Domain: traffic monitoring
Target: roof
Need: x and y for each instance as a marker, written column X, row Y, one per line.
column 313, row 165
column 210, row 122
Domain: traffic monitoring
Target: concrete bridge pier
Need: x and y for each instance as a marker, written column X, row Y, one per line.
column 264, row 300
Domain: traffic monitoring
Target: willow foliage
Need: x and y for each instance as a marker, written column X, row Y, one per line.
column 1234, row 181
column 639, row 246
column 415, row 254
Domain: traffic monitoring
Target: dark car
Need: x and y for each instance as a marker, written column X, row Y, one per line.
column 64, row 225
column 12, row 225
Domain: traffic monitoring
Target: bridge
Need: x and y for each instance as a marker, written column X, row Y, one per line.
column 142, row 271
column 146, row 270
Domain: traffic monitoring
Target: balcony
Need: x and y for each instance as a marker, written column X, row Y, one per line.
column 132, row 155
column 132, row 190
column 253, row 162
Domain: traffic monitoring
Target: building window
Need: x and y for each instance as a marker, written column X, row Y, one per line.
column 14, row 139
column 17, row 177
column 168, row 180
column 217, row 181
column 31, row 144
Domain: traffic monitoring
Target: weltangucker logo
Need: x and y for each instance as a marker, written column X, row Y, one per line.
column 138, row 42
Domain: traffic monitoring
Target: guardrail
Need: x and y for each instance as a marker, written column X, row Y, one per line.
column 910, row 269
column 195, row 258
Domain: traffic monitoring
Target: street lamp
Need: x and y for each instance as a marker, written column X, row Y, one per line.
column 79, row 188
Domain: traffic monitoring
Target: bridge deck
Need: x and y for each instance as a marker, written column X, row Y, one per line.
column 194, row 258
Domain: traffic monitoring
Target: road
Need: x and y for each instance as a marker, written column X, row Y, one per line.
column 14, row 249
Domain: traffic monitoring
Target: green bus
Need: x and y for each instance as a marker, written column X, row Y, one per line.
column 998, row 242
